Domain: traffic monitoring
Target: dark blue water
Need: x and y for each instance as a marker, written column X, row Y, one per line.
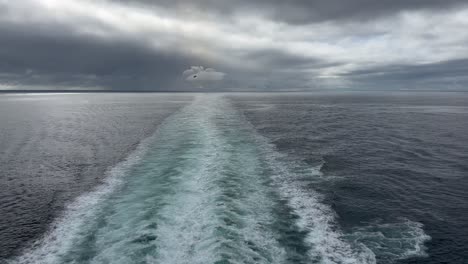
column 56, row 146
column 388, row 156
column 234, row 178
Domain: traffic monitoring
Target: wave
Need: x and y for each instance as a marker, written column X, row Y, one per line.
column 207, row 188
column 392, row 241
column 324, row 240
column 63, row 232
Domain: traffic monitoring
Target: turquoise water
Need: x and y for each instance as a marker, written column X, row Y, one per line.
column 207, row 188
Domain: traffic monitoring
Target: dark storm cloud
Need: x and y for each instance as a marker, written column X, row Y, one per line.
column 258, row 44
column 53, row 57
column 451, row 74
column 306, row 11
column 280, row 60
column 453, row 68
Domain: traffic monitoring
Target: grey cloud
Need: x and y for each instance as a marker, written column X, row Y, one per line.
column 452, row 68
column 72, row 60
column 203, row 77
column 263, row 45
column 303, row 11
column 200, row 73
column 452, row 75
column 278, row 60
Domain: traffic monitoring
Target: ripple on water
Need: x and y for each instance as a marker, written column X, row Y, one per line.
column 206, row 188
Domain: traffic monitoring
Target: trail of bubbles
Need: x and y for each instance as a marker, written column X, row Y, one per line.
column 323, row 238
column 190, row 194
column 64, row 232
column 325, row 241
column 207, row 188
column 392, row 241
column 222, row 212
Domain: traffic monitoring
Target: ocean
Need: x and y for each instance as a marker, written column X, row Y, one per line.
column 323, row 177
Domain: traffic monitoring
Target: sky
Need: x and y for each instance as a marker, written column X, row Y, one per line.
column 234, row 45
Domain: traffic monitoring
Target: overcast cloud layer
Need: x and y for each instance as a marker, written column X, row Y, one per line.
column 263, row 45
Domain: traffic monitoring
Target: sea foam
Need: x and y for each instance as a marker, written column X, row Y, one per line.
column 208, row 188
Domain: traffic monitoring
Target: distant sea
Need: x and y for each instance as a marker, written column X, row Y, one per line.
column 324, row 177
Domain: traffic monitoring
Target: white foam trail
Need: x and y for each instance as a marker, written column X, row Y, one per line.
column 183, row 225
column 406, row 239
column 196, row 221
column 327, row 244
column 204, row 193
column 325, row 241
column 324, row 238
column 60, row 238
column 63, row 232
column 192, row 227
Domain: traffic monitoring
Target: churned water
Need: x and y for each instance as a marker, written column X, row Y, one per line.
column 255, row 178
